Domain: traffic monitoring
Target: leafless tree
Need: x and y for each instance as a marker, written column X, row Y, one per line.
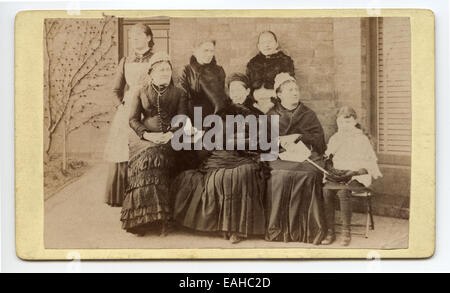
column 78, row 60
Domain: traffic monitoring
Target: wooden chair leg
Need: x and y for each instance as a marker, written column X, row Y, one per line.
column 372, row 224
column 366, row 234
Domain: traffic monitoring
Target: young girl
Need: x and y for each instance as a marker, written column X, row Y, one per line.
column 354, row 165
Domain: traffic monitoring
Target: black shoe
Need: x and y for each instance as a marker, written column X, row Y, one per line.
column 164, row 230
column 235, row 238
column 331, row 237
column 346, row 238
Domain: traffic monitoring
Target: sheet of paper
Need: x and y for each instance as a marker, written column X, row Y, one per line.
column 298, row 152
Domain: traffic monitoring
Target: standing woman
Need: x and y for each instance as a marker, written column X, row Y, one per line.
column 131, row 73
column 151, row 165
column 204, row 80
column 263, row 68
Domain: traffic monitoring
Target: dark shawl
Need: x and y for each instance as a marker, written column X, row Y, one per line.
column 205, row 86
column 301, row 120
column 261, row 69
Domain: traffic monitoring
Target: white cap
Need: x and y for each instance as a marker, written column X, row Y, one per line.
column 282, row 78
column 160, row 56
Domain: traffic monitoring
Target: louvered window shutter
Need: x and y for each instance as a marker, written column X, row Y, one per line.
column 394, row 86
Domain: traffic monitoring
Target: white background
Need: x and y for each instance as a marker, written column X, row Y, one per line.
column 440, row 262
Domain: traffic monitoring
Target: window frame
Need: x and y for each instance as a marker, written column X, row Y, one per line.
column 383, row 158
column 162, row 22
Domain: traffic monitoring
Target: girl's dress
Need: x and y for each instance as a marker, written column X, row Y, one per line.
column 352, row 150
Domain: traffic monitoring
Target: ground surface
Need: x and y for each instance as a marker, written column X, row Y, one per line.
column 76, row 217
column 55, row 179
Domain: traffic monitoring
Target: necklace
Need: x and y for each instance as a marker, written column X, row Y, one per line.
column 158, row 105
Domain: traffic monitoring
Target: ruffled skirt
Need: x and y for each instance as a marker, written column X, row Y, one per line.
column 147, row 198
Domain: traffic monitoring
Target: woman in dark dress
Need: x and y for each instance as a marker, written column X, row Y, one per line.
column 151, row 165
column 262, row 69
column 131, row 73
column 204, row 80
column 225, row 194
column 294, row 192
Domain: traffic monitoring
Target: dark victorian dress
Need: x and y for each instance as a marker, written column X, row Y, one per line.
column 226, row 193
column 151, row 166
column 261, row 69
column 205, row 88
column 294, row 190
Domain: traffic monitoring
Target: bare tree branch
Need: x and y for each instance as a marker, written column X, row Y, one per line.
column 89, row 120
column 49, row 84
column 85, row 90
column 93, row 52
column 82, row 44
column 69, row 87
column 93, row 67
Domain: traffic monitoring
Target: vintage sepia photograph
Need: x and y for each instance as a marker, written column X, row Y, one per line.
column 227, row 132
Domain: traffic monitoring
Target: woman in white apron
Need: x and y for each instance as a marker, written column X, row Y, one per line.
column 131, row 76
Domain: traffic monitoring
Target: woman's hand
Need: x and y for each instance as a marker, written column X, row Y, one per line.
column 361, row 171
column 287, row 140
column 340, row 176
column 158, row 137
column 167, row 136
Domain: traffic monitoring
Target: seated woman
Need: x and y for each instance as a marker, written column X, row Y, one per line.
column 226, row 193
column 354, row 164
column 151, row 164
column 294, row 192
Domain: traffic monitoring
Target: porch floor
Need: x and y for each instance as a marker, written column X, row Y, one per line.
column 77, row 218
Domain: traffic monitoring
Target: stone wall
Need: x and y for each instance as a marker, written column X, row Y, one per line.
column 309, row 41
column 323, row 50
column 331, row 58
column 332, row 68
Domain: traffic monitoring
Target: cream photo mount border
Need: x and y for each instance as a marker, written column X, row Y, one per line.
column 29, row 192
